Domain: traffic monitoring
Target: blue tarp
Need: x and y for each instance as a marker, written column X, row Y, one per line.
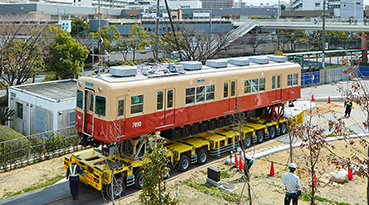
column 310, row 78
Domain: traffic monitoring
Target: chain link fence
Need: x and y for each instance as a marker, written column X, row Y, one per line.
column 35, row 148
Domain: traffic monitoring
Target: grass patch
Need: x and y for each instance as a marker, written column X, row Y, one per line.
column 213, row 191
column 47, row 183
column 306, row 197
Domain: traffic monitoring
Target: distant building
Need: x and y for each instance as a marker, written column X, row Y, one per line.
column 42, row 107
column 341, row 8
column 213, row 4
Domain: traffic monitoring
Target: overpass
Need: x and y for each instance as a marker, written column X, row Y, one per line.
column 242, row 28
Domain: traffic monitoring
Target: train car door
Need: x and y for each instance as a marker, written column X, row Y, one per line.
column 165, row 104
column 121, row 114
column 276, row 86
column 88, row 125
column 230, row 92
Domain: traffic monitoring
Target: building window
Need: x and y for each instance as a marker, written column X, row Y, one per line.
column 100, row 106
column 120, row 107
column 159, row 100
column 190, row 95
column 210, row 89
column 19, row 110
column 169, row 98
column 79, row 99
column 136, row 104
column 72, row 118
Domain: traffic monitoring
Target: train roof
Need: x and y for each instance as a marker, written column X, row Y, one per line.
column 162, row 72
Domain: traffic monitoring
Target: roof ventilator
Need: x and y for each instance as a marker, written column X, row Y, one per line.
column 260, row 59
column 191, row 65
column 220, row 63
column 123, row 71
column 278, row 59
column 241, row 61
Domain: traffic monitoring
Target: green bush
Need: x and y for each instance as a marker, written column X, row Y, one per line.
column 4, row 101
column 7, row 133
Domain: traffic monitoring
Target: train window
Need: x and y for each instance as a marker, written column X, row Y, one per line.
column 261, row 84
column 273, row 82
column 254, row 85
column 137, row 104
column 210, row 92
column 289, row 80
column 247, row 86
column 226, row 89
column 233, row 88
column 190, row 95
column 200, row 94
column 169, row 98
column 279, row 81
column 120, row 107
column 100, row 105
column 91, row 102
column 79, row 99
column 295, row 79
column 159, row 100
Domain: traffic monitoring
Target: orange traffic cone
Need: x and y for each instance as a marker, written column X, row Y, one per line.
column 315, row 181
column 235, row 160
column 272, row 173
column 349, row 175
column 329, row 99
column 312, row 98
column 241, row 164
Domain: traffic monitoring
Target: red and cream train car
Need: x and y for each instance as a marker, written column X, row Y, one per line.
column 111, row 108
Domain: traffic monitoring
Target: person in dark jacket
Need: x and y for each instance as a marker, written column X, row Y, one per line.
column 348, row 106
column 72, row 173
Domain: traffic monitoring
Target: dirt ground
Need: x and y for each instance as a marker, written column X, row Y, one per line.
column 268, row 190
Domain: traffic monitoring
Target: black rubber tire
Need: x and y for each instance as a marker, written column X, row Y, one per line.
column 184, row 163
column 118, row 186
column 138, row 180
column 247, row 141
column 202, row 156
column 283, row 128
column 272, row 132
column 260, row 135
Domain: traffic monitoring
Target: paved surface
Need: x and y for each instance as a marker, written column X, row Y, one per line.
column 59, row 193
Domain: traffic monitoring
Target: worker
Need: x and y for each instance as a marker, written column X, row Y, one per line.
column 348, row 106
column 248, row 160
column 293, row 187
column 72, row 173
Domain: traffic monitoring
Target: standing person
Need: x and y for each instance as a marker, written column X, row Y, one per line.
column 72, row 174
column 293, row 187
column 348, row 106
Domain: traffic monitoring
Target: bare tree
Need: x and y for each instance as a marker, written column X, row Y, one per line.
column 22, row 51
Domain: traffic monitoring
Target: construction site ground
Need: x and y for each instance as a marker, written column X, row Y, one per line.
column 189, row 186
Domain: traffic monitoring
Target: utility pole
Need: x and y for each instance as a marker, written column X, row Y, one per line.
column 157, row 31
column 174, row 31
column 323, row 36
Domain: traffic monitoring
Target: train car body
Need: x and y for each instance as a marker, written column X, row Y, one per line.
column 111, row 108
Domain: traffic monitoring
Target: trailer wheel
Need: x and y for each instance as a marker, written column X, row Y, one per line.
column 119, row 188
column 260, row 136
column 202, row 156
column 283, row 128
column 271, row 132
column 247, row 141
column 184, row 163
column 138, row 180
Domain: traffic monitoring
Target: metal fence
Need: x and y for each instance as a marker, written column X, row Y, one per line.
column 35, row 148
column 325, row 76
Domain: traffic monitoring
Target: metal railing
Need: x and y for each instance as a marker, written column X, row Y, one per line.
column 23, row 151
